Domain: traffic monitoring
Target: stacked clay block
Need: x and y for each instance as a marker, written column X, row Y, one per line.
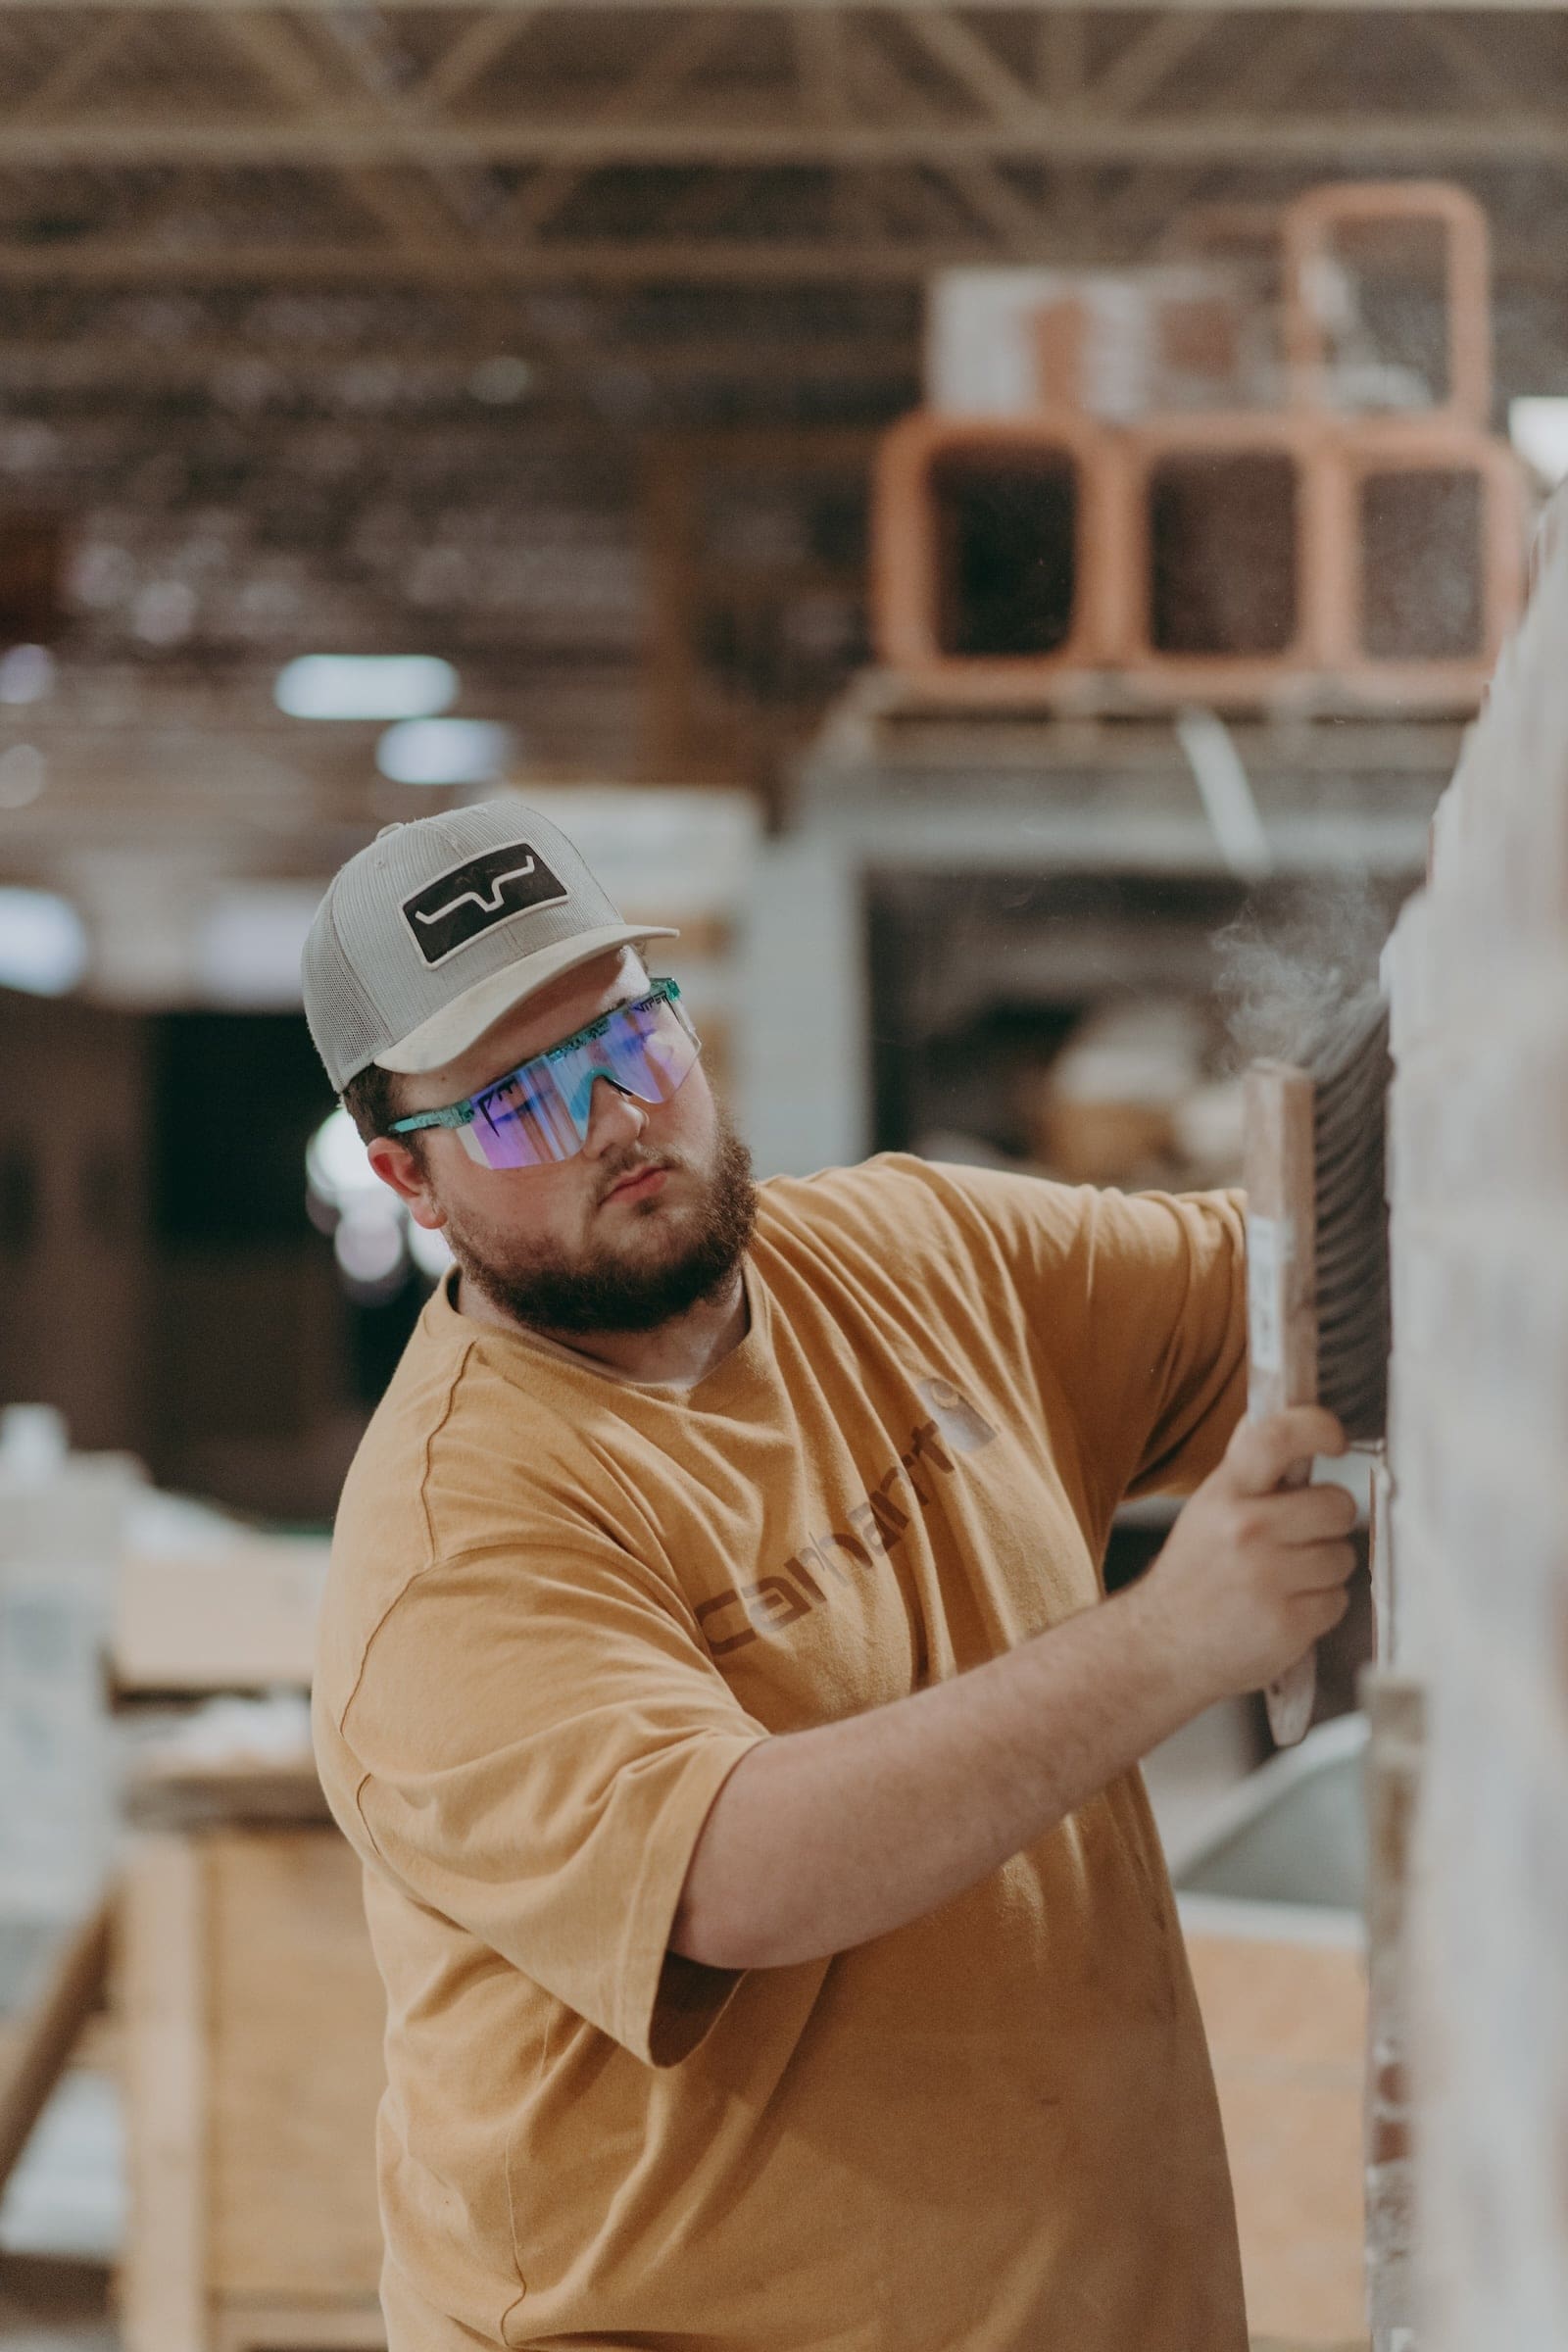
column 1337, row 549
column 995, row 547
column 1229, row 557
column 1321, row 233
column 1426, row 535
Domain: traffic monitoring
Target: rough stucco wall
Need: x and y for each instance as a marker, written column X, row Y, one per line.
column 1478, row 973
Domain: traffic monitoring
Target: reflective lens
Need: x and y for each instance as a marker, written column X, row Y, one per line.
column 541, row 1111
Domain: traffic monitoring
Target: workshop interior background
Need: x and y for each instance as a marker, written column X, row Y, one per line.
column 967, row 512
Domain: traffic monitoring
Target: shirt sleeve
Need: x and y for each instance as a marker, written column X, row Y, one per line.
column 1167, row 1287
column 540, row 1737
column 1136, row 1310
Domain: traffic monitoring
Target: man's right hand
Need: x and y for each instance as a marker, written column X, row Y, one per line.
column 1253, row 1575
column 952, row 1779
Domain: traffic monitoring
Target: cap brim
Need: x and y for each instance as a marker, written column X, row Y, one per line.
column 461, row 1023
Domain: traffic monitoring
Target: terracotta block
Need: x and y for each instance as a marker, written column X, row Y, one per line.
column 1328, row 224
column 1202, row 338
column 1426, row 530
column 997, row 550
column 1160, row 341
column 1228, row 559
column 1061, row 337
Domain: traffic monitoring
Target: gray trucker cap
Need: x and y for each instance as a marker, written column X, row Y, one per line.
column 440, row 926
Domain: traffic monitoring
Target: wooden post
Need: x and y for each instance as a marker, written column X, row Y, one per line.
column 163, row 2298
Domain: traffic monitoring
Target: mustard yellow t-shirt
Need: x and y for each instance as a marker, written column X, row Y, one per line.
column 563, row 1606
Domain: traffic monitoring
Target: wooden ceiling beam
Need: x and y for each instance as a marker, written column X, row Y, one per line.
column 954, row 45
column 270, row 44
column 72, row 73
column 127, row 364
column 822, row 65
column 734, row 8
column 472, row 52
column 654, row 261
column 1286, row 52
column 344, row 139
column 1139, row 69
column 1061, row 53
column 1024, row 230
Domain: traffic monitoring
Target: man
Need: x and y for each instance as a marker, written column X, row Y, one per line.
column 717, row 1680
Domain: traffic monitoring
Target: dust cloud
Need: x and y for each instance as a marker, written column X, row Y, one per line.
column 1294, row 979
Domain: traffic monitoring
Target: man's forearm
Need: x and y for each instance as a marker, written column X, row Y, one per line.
column 821, row 1839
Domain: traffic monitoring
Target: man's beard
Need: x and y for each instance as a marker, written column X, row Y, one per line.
column 608, row 1288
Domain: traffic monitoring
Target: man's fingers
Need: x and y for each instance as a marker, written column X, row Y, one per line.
column 1326, row 1567
column 1307, row 1514
column 1329, row 1607
column 1261, row 1451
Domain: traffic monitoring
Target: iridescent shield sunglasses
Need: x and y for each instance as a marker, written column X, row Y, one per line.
column 540, row 1110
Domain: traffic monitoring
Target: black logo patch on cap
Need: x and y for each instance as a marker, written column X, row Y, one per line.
column 471, row 898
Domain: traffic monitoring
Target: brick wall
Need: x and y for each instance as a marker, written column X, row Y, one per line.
column 1478, row 973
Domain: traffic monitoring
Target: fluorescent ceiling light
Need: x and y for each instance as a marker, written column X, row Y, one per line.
column 337, row 1166
column 27, row 673
column 366, row 686
column 43, row 947
column 444, row 751
column 373, row 1234
column 370, row 1248
column 428, row 1251
column 1539, row 431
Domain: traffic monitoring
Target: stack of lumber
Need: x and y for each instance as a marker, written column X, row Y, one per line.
column 253, row 2067
column 248, row 2012
column 252, row 2010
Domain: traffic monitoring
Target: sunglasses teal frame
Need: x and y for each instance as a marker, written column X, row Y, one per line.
column 465, row 1113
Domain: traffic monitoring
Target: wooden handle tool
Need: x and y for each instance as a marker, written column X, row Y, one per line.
column 1282, row 1299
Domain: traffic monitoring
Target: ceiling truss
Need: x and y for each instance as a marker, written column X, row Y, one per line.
column 249, row 248
column 506, row 145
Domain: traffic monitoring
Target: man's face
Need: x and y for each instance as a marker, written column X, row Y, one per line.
column 652, row 1213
